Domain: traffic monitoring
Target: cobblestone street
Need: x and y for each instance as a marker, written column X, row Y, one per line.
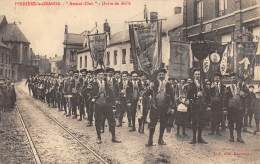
column 54, row 145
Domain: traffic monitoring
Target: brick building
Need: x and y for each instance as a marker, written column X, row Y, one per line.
column 221, row 21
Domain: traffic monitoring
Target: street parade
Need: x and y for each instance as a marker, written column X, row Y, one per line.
column 113, row 96
column 130, row 81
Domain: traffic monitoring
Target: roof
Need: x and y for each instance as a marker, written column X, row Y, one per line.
column 83, row 50
column 172, row 22
column 119, row 37
column 72, row 38
column 2, row 18
column 11, row 32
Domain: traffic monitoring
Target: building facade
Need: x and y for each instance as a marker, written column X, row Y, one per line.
column 13, row 37
column 118, row 53
column 222, row 21
column 72, row 43
column 57, row 64
column 5, row 61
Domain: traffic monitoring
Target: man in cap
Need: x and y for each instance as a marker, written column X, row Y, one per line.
column 160, row 106
column 133, row 92
column 75, row 93
column 82, row 100
column 124, row 98
column 235, row 110
column 198, row 108
column 67, row 91
column 217, row 103
column 104, row 100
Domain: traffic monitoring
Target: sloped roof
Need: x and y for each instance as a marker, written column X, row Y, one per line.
column 72, row 38
column 172, row 22
column 11, row 32
column 119, row 37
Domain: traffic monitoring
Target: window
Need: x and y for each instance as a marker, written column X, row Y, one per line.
column 86, row 61
column 123, row 56
column 199, row 11
column 80, row 62
column 222, row 7
column 115, row 57
column 108, row 58
column 1, row 71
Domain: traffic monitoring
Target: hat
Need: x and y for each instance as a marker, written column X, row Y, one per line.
column 89, row 71
column 171, row 78
column 97, row 71
column 134, row 72
column 110, row 70
column 162, row 70
column 125, row 72
column 70, row 70
column 76, row 71
column 251, row 86
column 83, row 71
column 117, row 72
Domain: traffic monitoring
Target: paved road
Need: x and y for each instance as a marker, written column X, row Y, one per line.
column 53, row 144
column 56, row 146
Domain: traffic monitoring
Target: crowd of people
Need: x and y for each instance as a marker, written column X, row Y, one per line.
column 106, row 94
column 7, row 95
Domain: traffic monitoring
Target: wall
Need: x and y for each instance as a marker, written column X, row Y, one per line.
column 5, row 63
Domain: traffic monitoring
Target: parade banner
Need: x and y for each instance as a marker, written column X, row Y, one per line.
column 245, row 59
column 97, row 46
column 211, row 62
column 227, row 65
column 146, row 46
column 180, row 60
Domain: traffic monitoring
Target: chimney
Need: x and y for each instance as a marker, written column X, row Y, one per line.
column 66, row 29
column 106, row 28
column 153, row 16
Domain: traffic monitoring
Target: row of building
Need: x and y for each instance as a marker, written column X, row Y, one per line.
column 17, row 59
column 220, row 21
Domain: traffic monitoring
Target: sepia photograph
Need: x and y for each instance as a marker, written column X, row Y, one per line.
column 129, row 81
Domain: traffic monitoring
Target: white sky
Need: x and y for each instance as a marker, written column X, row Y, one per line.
column 44, row 26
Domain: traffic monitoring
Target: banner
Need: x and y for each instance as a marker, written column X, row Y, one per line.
column 180, row 60
column 146, row 45
column 213, row 61
column 97, row 46
column 245, row 59
column 227, row 65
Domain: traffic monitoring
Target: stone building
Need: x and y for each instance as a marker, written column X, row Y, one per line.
column 57, row 64
column 118, row 53
column 72, row 43
column 13, row 37
column 5, row 61
column 221, row 21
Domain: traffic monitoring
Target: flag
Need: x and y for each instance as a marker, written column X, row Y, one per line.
column 97, row 46
column 245, row 59
column 146, row 45
column 181, row 60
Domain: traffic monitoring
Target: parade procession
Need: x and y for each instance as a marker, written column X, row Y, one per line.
column 161, row 88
